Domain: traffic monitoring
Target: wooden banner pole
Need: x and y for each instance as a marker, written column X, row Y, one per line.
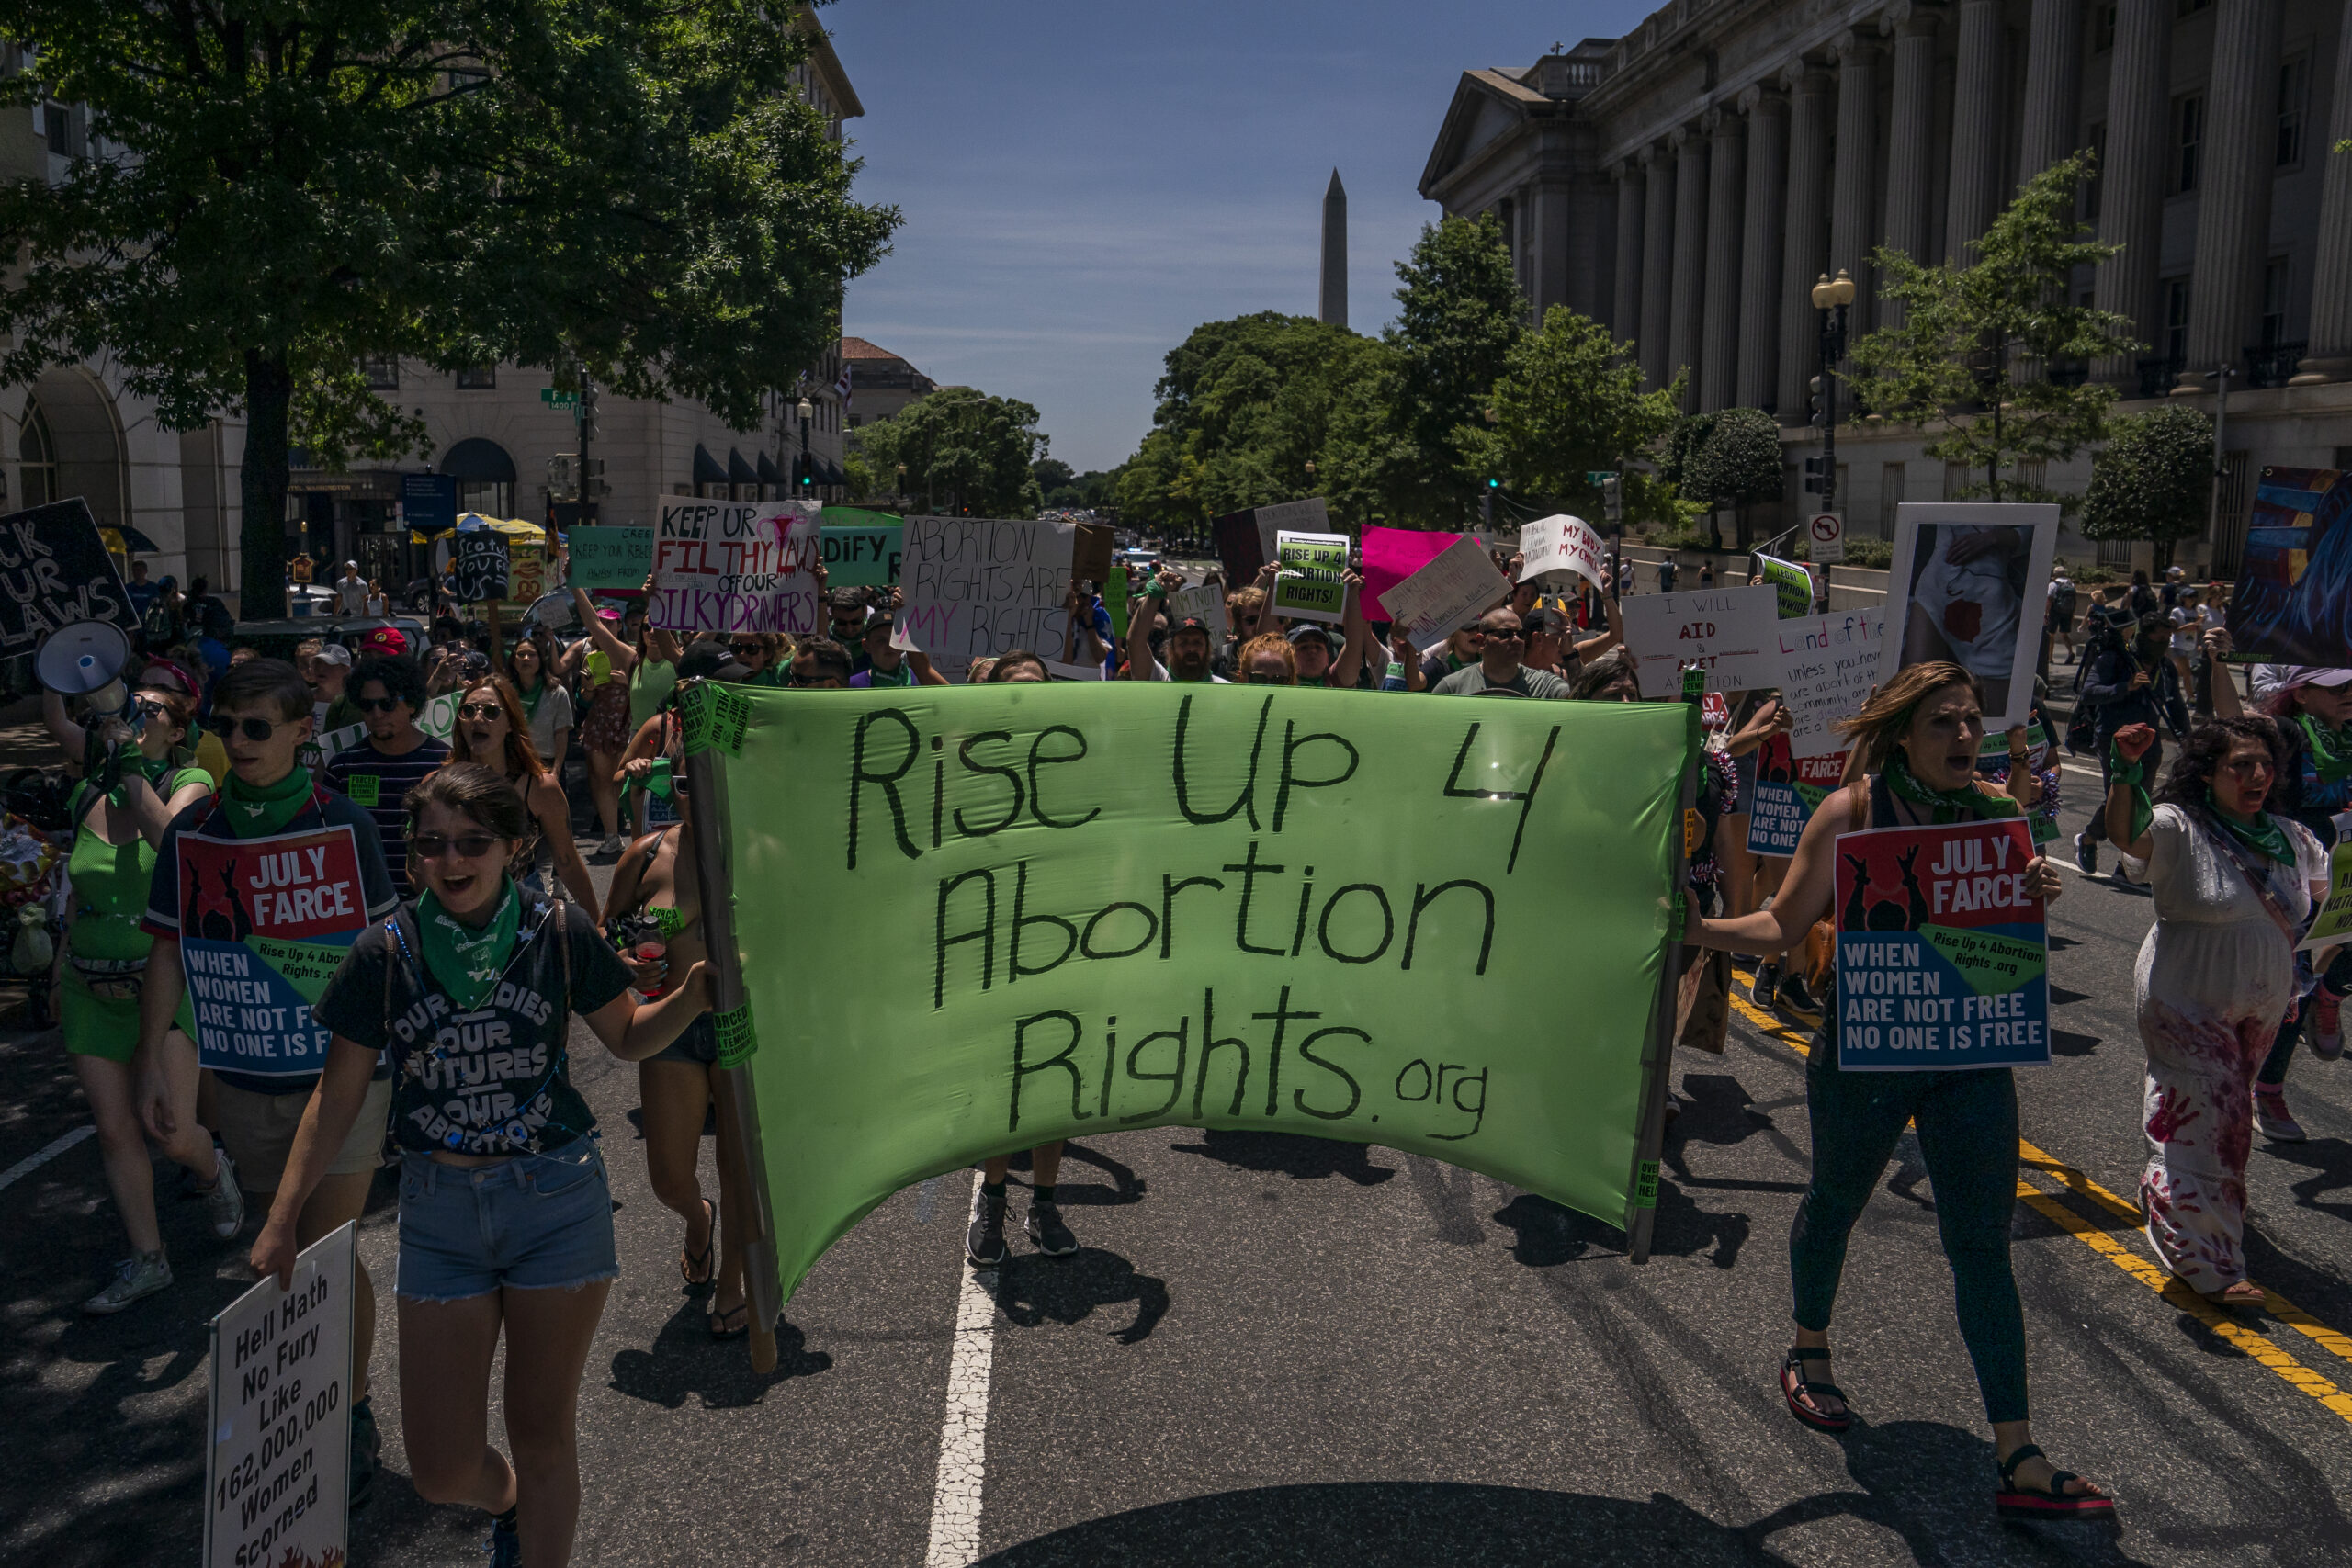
column 1658, row 1053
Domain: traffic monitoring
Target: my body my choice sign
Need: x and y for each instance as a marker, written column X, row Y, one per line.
column 1146, row 905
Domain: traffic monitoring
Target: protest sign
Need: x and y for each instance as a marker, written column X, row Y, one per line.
column 977, row 587
column 1560, row 543
column 1789, row 789
column 1827, row 666
column 1151, row 904
column 1447, row 594
column 2332, row 924
column 611, row 557
column 1969, row 586
column 276, row 1468
column 861, row 557
column 1205, row 600
column 1941, row 956
column 1793, row 583
column 1245, row 540
column 481, row 565
column 527, row 571
column 1312, row 582
column 2287, row 604
column 1392, row 554
column 55, row 570
column 263, row 925
column 1728, row 632
column 735, row 566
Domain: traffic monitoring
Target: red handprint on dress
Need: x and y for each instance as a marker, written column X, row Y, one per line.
column 2172, row 1113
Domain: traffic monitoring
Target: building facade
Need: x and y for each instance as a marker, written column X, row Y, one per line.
column 1686, row 183
column 881, row 382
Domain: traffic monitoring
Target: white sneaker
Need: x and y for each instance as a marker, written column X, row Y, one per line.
column 225, row 1198
column 614, row 844
column 136, row 1277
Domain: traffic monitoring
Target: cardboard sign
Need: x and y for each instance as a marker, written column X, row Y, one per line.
column 55, row 570
column 1793, row 583
column 263, row 925
column 1246, row 540
column 1726, row 632
column 1311, row 584
column 1560, row 543
column 481, row 566
column 1942, row 957
column 1447, row 594
column 277, row 1469
column 1827, row 665
column 2332, row 924
column 611, row 557
column 736, row 566
column 977, row 587
column 861, row 557
column 1789, row 789
column 1205, row 600
column 2288, row 605
column 1392, row 554
column 1970, row 583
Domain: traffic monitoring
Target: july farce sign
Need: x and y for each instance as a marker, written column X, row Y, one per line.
column 1139, row 904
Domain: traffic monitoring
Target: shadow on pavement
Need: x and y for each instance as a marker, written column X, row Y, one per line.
column 686, row 1363
column 1293, row 1154
column 1126, row 1186
column 1033, row 1289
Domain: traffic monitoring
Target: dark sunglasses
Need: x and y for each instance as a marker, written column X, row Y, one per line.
column 466, row 846
column 255, row 729
column 805, row 681
column 376, row 704
column 482, row 710
column 1507, row 634
column 1258, row 680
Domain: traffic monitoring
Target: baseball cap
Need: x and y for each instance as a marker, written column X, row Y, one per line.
column 334, row 653
column 708, row 659
column 1310, row 631
column 386, row 642
column 1540, row 620
column 2318, row 675
column 1192, row 624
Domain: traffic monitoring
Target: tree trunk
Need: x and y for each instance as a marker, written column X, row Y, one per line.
column 261, row 483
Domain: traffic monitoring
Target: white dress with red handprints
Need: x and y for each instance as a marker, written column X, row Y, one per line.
column 2214, row 977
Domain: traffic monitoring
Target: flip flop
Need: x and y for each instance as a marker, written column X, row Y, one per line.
column 718, row 1321
column 694, row 1267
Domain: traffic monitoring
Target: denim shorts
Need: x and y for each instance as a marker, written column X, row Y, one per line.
column 531, row 1223
column 697, row 1046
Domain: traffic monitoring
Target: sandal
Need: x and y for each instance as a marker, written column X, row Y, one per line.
column 694, row 1267
column 2054, row 1501
column 718, row 1322
column 1796, row 1389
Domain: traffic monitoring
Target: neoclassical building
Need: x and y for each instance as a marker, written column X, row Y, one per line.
column 1686, row 184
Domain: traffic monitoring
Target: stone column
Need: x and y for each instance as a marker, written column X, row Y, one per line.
column 2330, row 358
column 1977, row 113
column 1853, row 207
column 2132, row 182
column 2234, row 187
column 2053, row 75
column 1911, row 131
column 1657, row 267
column 1689, row 261
column 1759, row 264
column 1727, row 183
column 1805, row 250
column 1625, row 314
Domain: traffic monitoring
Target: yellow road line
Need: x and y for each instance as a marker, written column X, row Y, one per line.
column 2140, row 1267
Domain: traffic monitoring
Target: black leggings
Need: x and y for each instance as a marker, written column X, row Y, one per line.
column 1968, row 1132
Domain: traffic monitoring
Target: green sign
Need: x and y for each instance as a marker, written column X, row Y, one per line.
column 864, row 556
column 1309, row 584
column 610, row 557
column 2333, row 922
column 974, row 919
column 1793, row 582
column 556, row 397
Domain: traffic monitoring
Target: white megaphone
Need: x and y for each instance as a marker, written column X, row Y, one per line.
column 85, row 659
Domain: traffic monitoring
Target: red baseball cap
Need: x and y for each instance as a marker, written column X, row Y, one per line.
column 386, row 642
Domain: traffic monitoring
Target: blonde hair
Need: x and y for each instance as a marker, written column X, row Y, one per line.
column 1880, row 725
column 1245, row 603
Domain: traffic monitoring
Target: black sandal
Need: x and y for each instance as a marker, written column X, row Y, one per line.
column 2054, row 1501
column 716, row 1321
column 692, row 1263
column 1793, row 1384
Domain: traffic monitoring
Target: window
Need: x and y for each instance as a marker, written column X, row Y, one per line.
column 2274, row 302
column 36, row 455
column 2098, row 168
column 2189, row 141
column 492, row 498
column 857, row 420
column 2106, row 38
column 382, row 374
column 1956, row 477
column 2032, row 474
column 2294, row 95
column 481, row 379
column 2176, row 338
column 1890, row 496
column 57, row 124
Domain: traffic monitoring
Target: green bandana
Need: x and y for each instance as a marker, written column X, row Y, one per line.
column 1967, row 804
column 2264, row 837
column 2331, row 749
column 2118, row 770
column 465, row 959
column 256, row 813
column 531, row 700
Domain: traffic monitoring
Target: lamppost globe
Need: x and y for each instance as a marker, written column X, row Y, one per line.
column 1841, row 292
column 805, row 411
column 1822, row 295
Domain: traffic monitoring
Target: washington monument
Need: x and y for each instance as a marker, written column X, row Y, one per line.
column 1334, row 303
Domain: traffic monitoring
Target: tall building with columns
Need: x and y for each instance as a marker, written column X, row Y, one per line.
column 1686, row 183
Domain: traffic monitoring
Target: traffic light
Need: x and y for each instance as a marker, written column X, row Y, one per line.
column 588, row 410
column 804, row 469
column 1612, row 497
column 1813, row 476
column 1494, row 484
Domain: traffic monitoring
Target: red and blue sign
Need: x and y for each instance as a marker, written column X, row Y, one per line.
column 263, row 925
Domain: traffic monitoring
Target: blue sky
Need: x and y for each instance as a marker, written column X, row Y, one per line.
column 1084, row 183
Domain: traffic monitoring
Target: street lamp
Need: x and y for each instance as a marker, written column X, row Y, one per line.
column 1830, row 296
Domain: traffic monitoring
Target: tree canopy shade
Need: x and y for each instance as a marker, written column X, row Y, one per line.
column 1459, row 315
column 1727, row 457
column 2153, row 480
column 1984, row 350
column 965, row 452
column 1568, row 403
column 629, row 187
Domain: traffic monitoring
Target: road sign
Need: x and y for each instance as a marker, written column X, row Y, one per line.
column 558, row 398
column 1825, row 535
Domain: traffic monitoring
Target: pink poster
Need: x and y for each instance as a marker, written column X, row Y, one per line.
column 1392, row 554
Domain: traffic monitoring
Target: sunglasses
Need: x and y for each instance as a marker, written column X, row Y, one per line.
column 255, row 729
column 1507, row 634
column 482, row 710
column 466, row 846
column 151, row 709
column 376, row 704
column 1257, row 680
column 806, row 681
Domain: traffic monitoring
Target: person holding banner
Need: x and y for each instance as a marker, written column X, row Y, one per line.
column 2232, row 883
column 506, row 1211
column 494, row 729
column 1918, row 739
column 648, row 666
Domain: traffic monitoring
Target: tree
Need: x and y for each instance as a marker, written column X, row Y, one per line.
column 2153, row 480
column 629, row 187
column 1988, row 350
column 858, row 473
column 1460, row 314
column 1727, row 457
column 966, row 453
column 1052, row 475
column 1570, row 402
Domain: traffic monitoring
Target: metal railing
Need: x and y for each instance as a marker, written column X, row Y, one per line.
column 2157, row 376
column 2270, row 364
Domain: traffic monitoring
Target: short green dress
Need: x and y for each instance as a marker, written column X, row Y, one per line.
column 106, row 951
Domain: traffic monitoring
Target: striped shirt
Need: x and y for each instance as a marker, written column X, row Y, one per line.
column 378, row 784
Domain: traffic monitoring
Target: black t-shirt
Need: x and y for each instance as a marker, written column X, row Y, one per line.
column 493, row 1081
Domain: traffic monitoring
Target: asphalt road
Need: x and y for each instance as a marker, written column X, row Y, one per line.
column 1280, row 1350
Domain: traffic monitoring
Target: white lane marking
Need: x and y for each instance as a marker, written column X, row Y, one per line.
column 2078, row 768
column 55, row 1146
column 963, row 1433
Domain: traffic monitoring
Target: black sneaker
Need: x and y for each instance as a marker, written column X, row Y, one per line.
column 2087, row 854
column 505, row 1545
column 1762, row 989
column 984, row 1240
column 1045, row 1228
column 367, row 1449
column 1796, row 996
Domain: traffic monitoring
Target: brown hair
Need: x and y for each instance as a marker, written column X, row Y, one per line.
column 264, row 681
column 1010, row 660
column 1268, row 642
column 472, row 791
column 1243, row 603
column 1884, row 718
column 522, row 758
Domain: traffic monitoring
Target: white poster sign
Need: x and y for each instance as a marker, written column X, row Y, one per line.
column 1560, row 543
column 277, row 1472
column 1729, row 633
column 1829, row 664
column 1969, row 585
column 1205, row 600
column 735, row 566
column 976, row 587
column 1457, row 586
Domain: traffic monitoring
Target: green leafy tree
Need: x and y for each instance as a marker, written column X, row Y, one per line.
column 631, row 187
column 1728, row 458
column 1460, row 314
column 1984, row 350
column 859, row 473
column 1570, row 402
column 966, row 453
column 1053, row 475
column 2153, row 480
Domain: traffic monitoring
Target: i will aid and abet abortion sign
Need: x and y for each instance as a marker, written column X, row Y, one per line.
column 1942, row 957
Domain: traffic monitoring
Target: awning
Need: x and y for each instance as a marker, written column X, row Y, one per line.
column 706, row 468
column 831, row 472
column 478, row 460
column 768, row 473
column 512, row 527
column 127, row 540
column 739, row 472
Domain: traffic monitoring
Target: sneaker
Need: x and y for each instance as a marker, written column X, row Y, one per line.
column 366, row 1449
column 2327, row 1025
column 505, row 1545
column 2085, row 854
column 1045, row 1228
column 224, row 1197
column 1762, row 989
column 984, row 1241
column 136, row 1277
column 2271, row 1115
column 614, row 844
column 1795, row 996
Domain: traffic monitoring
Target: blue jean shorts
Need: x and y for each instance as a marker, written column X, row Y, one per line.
column 531, row 1223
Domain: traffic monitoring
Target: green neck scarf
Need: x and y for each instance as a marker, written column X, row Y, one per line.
column 531, row 700
column 465, row 959
column 1967, row 804
column 2134, row 774
column 257, row 812
column 2331, row 749
column 2264, row 837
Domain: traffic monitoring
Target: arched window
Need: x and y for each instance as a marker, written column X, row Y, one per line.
column 485, row 476
column 37, row 453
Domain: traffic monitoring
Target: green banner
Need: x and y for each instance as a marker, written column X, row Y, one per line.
column 991, row 917
column 1791, row 583
column 860, row 556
